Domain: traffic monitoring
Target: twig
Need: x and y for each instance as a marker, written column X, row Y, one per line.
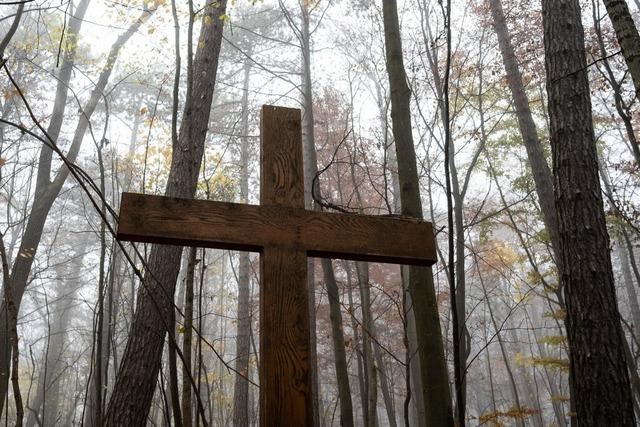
column 315, row 184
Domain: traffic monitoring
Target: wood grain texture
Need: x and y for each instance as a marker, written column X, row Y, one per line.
column 281, row 176
column 157, row 219
column 285, row 337
column 285, row 376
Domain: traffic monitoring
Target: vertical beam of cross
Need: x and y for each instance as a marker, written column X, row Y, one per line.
column 285, row 375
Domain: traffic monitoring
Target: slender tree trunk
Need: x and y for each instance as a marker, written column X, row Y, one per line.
column 340, row 358
column 173, row 370
column 187, row 339
column 633, row 373
column 558, row 410
column 629, row 286
column 12, row 332
column 52, row 368
column 530, row 398
column 503, row 351
column 387, row 395
column 600, row 380
column 418, row 412
column 100, row 314
column 12, row 29
column 135, row 382
column 310, row 165
column 356, row 339
column 112, row 310
column 47, row 190
column 335, row 315
column 535, row 154
column 627, row 35
column 367, row 345
column 33, row 230
column 435, row 383
column 243, row 335
column 621, row 108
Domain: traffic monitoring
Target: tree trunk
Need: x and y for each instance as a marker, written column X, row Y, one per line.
column 414, row 363
column 558, row 409
column 52, row 368
column 340, row 358
column 629, row 286
column 387, row 394
column 370, row 415
column 503, row 351
column 135, row 382
column 310, row 166
column 47, row 190
column 539, row 166
column 243, row 335
column 187, row 339
column 628, row 38
column 173, row 370
column 435, row 383
column 622, row 108
column 600, row 381
column 12, row 333
column 22, row 264
column 356, row 338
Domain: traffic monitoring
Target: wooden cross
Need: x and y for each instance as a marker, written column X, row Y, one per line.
column 284, row 234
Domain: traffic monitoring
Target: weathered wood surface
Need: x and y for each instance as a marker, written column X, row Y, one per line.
column 285, row 372
column 157, row 219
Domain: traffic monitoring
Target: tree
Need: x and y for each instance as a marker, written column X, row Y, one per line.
column 628, row 38
column 598, row 369
column 526, row 124
column 47, row 189
column 135, row 383
column 435, row 383
column 241, row 387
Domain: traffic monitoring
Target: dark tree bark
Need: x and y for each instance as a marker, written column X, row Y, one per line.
column 627, row 35
column 135, row 382
column 187, row 339
column 12, row 332
column 624, row 112
column 174, row 394
column 600, row 381
column 337, row 335
column 435, row 382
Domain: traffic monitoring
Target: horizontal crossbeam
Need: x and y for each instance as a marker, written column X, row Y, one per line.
column 203, row 223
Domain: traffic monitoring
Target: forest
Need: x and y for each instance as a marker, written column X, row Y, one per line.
column 511, row 126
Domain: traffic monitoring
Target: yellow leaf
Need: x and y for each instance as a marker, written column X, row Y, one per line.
column 207, row 20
